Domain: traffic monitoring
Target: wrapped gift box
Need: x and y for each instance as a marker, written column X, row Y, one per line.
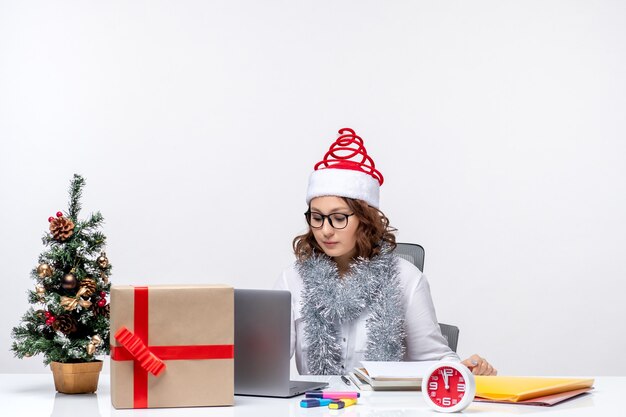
column 174, row 346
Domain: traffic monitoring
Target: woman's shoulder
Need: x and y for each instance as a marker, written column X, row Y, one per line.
column 407, row 268
column 408, row 274
column 291, row 271
column 289, row 278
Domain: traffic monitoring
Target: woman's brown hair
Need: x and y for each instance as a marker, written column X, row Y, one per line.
column 373, row 230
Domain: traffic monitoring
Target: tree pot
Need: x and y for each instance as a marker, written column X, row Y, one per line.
column 76, row 378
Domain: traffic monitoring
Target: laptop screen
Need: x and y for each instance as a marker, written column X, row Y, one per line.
column 262, row 339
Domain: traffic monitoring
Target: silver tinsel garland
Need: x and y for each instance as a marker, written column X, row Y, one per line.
column 329, row 300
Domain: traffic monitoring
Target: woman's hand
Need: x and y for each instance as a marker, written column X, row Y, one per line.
column 479, row 366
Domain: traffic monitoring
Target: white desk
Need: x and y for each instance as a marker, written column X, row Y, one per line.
column 26, row 395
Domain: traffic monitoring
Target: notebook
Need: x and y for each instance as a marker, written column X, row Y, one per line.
column 359, row 382
column 545, row 401
column 397, row 370
column 262, row 345
column 394, row 376
column 519, row 388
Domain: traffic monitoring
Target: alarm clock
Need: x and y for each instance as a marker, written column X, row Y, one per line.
column 448, row 387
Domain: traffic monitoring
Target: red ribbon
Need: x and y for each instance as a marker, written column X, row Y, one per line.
column 150, row 358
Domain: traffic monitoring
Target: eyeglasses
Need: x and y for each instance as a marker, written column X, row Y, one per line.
column 336, row 220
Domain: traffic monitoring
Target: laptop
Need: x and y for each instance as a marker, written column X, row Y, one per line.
column 262, row 345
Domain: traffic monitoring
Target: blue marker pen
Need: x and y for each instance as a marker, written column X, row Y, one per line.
column 314, row 402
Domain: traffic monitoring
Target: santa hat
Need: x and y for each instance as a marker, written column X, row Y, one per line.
column 346, row 171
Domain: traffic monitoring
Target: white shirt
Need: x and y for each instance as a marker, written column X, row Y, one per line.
column 424, row 340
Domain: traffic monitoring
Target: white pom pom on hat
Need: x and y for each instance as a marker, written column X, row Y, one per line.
column 346, row 171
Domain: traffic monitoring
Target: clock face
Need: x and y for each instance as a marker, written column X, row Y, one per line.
column 446, row 387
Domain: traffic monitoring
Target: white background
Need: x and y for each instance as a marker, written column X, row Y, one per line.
column 499, row 127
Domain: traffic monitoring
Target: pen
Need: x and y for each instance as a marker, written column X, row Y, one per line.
column 332, row 395
column 343, row 403
column 314, row 402
column 345, row 380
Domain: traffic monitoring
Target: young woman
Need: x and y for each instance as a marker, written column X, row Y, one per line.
column 353, row 299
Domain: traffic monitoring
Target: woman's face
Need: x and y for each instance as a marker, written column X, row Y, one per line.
column 339, row 244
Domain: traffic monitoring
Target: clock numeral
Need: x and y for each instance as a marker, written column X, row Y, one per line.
column 460, row 387
column 433, row 394
column 446, row 401
column 448, row 371
column 433, row 385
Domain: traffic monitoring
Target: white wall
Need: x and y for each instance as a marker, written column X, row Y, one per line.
column 499, row 127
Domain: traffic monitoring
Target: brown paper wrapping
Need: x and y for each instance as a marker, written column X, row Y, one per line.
column 178, row 315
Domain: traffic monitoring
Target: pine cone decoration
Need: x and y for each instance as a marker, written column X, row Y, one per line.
column 65, row 324
column 101, row 311
column 89, row 286
column 61, row 228
column 41, row 315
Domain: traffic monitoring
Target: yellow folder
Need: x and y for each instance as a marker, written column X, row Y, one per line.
column 520, row 388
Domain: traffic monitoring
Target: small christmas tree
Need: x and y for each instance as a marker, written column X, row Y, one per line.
column 70, row 323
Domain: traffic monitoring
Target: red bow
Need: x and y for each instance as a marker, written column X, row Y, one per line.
column 140, row 352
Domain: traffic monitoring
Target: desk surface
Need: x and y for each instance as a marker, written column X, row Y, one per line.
column 25, row 395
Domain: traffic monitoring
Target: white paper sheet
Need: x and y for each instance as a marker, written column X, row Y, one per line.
column 397, row 369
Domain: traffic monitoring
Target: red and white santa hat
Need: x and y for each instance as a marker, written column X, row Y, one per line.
column 346, row 171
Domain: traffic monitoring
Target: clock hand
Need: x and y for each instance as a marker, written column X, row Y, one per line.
column 445, row 379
